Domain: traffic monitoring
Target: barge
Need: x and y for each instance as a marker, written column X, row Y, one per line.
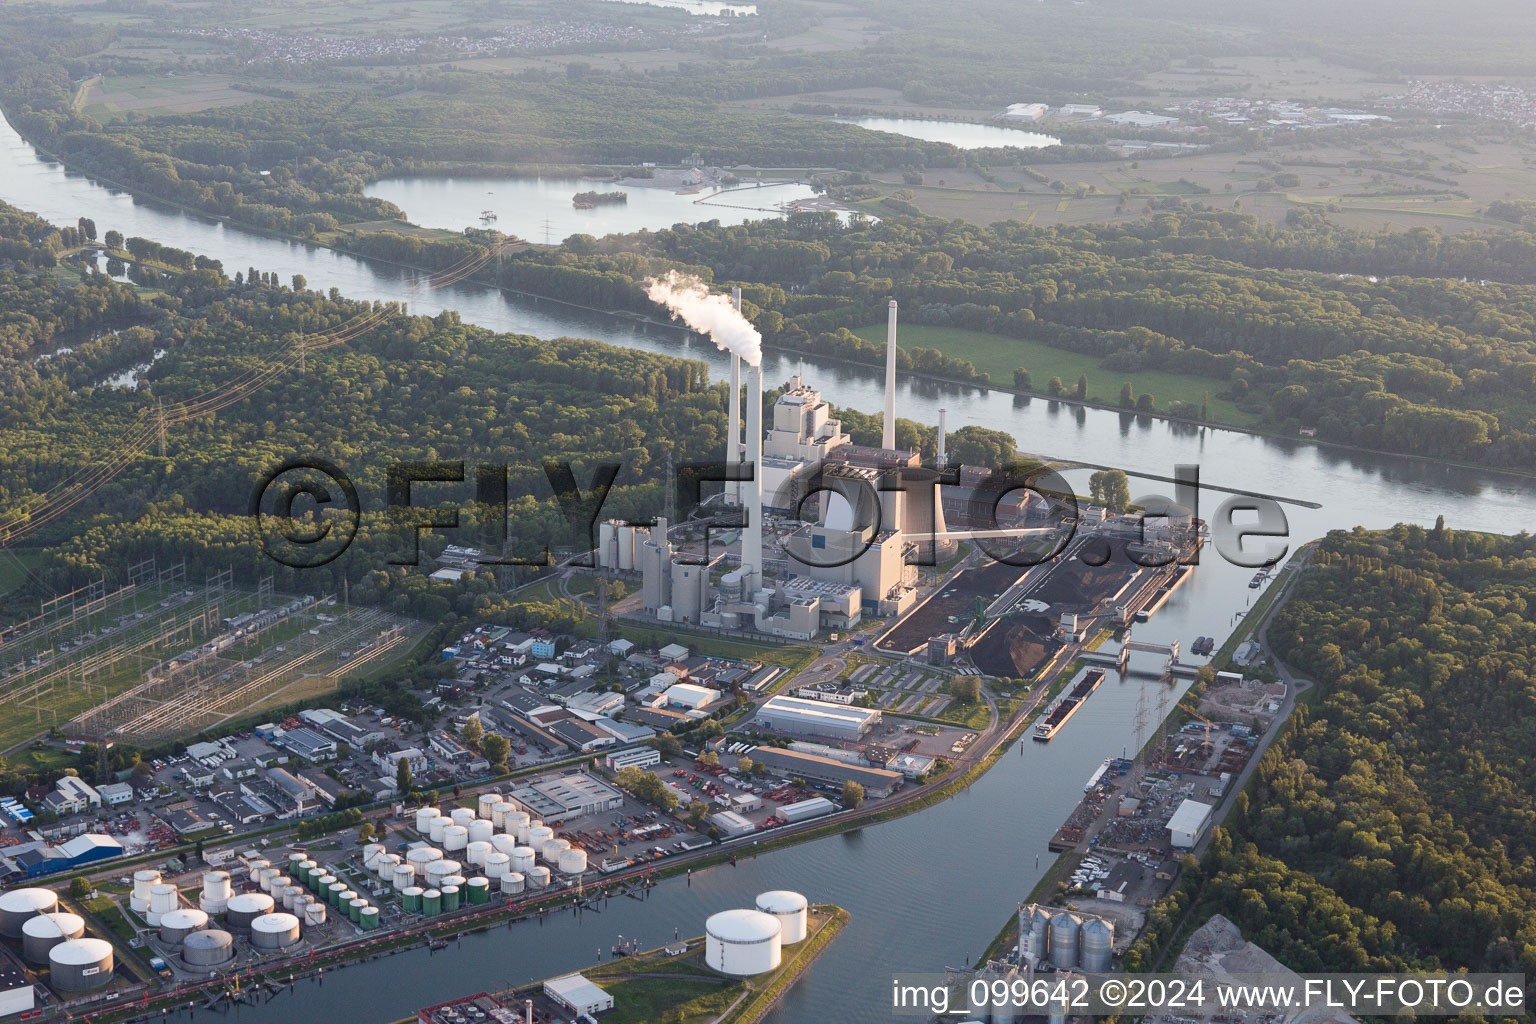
column 1065, row 708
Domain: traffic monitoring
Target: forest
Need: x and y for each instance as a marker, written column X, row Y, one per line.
column 1394, row 824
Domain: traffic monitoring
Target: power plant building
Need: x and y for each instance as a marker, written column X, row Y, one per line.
column 817, row 718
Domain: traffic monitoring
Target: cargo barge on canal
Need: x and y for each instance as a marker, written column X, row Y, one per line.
column 1065, row 708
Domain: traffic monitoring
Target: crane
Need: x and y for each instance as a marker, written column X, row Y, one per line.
column 1207, row 721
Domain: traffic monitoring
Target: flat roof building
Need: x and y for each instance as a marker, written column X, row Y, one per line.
column 817, row 718
column 578, row 995
column 877, row 782
column 562, row 797
column 1188, row 824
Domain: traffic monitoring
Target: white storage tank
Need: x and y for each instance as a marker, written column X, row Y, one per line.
column 1065, row 927
column 421, row 856
column 503, row 844
column 291, row 895
column 245, row 908
column 405, row 875
column 518, row 824
column 19, row 906
column 274, row 931
column 1034, row 933
column 424, row 816
column 485, row 805
column 538, row 835
column 385, row 866
column 522, row 859
column 142, row 880
column 455, row 838
column 208, row 948
column 441, row 869
column 572, row 861
column 41, row 933
column 216, row 886
column 462, row 816
column 314, row 914
column 475, row 853
column 178, row 924
column 497, row 864
column 537, row 877
column 265, row 877
column 791, row 909
column 553, row 848
column 512, row 882
column 480, row 831
column 437, row 828
column 80, row 965
column 371, row 854
column 742, row 942
column 499, row 815
column 1098, row 941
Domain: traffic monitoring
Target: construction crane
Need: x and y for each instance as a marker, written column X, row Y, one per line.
column 1208, row 723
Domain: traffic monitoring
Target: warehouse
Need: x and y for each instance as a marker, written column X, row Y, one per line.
column 1188, row 824
column 565, row 797
column 817, row 718
column 578, row 995
column 877, row 782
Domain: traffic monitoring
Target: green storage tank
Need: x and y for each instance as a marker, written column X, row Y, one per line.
column 369, row 918
column 411, row 898
column 451, row 897
column 355, row 910
column 479, row 890
column 431, row 902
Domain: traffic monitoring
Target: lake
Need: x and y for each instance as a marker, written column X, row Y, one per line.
column 698, row 7
column 961, row 134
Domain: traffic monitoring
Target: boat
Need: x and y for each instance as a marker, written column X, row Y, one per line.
column 487, row 216
column 1067, row 706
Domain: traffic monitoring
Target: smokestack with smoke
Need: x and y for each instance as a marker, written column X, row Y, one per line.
column 888, row 428
column 733, row 432
column 691, row 302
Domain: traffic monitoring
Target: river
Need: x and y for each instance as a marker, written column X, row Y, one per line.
column 925, row 890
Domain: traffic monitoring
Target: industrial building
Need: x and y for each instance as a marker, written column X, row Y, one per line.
column 1188, row 824
column 817, row 718
column 878, row 782
column 635, row 757
column 1065, row 939
column 577, row 994
column 567, row 796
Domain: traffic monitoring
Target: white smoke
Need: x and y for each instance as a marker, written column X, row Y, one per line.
column 691, row 302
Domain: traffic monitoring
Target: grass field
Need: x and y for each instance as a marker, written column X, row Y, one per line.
column 14, row 566
column 1000, row 356
column 647, row 1000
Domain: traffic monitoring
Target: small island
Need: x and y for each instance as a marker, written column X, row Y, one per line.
column 589, row 200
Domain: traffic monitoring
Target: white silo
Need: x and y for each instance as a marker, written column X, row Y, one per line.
column 792, row 911
column 742, row 942
column 607, row 544
column 424, row 816
column 497, row 864
column 1034, row 933
column 475, row 853
column 1065, row 928
column 274, row 931
column 512, row 882
column 436, row 829
column 419, row 857
column 626, row 548
column 19, row 906
column 80, row 965
column 552, row 849
column 1098, row 942
column 142, row 880
column 41, row 933
column 455, row 838
column 522, row 859
column 462, row 816
column 481, row 830
column 485, row 804
column 178, row 924
column 266, row 877
column 572, row 861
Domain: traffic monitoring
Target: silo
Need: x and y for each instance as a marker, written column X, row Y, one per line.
column 485, row 805
column 142, row 880
column 462, row 816
column 208, row 948
column 274, row 931
column 385, row 867
column 538, row 835
column 792, row 911
column 355, row 910
column 475, row 853
column 496, row 865
column 163, row 899
column 314, row 915
column 41, row 933
column 424, row 816
column 1034, row 933
column 431, row 902
column 626, row 537
column 371, row 854
column 742, row 942
column 19, row 906
column 499, row 815
column 410, row 899
column 451, row 897
column 536, row 877
column 178, row 924
column 607, row 545
column 517, row 825
column 245, row 908
column 512, row 882
column 572, row 861
column 455, row 838
column 1098, row 941
column 421, row 856
column 478, row 890
column 481, row 830
column 522, row 859
column 80, row 965
column 291, row 896
column 1065, row 927
column 688, row 582
column 405, row 875
column 438, row 827
column 552, row 849
column 369, row 918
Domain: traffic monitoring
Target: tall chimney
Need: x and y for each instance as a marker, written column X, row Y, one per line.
column 733, row 434
column 888, row 431
column 942, row 461
column 752, row 540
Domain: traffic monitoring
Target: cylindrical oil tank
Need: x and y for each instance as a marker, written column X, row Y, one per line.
column 41, row 933
column 421, row 856
column 486, row 803
column 19, row 906
column 461, row 815
column 475, row 852
column 438, row 826
column 441, row 869
column 178, row 924
column 552, row 849
column 257, row 866
column 792, row 911
column 291, row 896
column 742, row 942
column 314, row 915
column 522, row 859
column 307, row 872
column 371, row 854
column 503, row 844
column 517, row 825
column 538, row 835
column 323, row 882
column 572, row 861
column 499, row 815
column 480, row 831
column 274, row 931
column 245, row 908
column 266, row 877
column 385, row 866
column 431, row 902
column 410, row 899
column 216, row 885
column 1034, row 934
column 1098, row 942
column 497, row 864
column 80, row 965
column 424, row 816
column 142, row 880
column 280, row 883
column 162, row 899
column 208, row 948
column 457, row 880
column 451, row 897
column 478, row 890
column 512, row 882
column 355, row 910
column 1065, row 927
column 455, row 837
column 537, row 877
column 405, row 874
column 333, row 893
column 345, row 898
column 368, row 919
column 294, row 860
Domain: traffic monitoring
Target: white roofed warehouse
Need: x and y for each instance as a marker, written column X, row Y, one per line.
column 817, row 718
column 578, row 995
column 1188, row 824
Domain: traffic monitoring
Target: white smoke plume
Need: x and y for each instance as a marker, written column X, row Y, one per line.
column 691, row 302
